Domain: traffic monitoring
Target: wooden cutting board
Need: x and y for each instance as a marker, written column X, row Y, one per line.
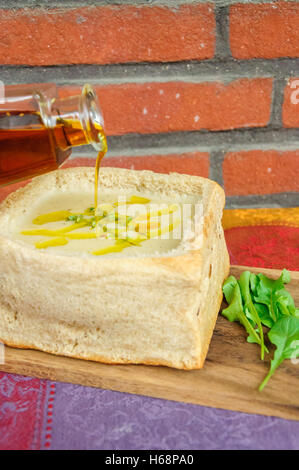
column 229, row 379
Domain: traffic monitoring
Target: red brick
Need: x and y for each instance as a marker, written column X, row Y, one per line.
column 266, row 31
column 180, row 106
column 191, row 163
column 290, row 109
column 106, row 34
column 260, row 172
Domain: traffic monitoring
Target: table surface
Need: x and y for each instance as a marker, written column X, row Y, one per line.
column 40, row 414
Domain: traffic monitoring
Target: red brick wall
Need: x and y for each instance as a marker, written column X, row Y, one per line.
column 202, row 88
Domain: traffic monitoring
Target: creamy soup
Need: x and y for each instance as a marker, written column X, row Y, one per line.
column 127, row 224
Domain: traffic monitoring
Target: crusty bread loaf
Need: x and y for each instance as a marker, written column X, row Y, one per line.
column 158, row 310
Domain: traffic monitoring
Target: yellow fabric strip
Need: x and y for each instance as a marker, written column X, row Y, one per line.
column 275, row 216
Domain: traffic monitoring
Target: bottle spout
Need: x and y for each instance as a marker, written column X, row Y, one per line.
column 92, row 119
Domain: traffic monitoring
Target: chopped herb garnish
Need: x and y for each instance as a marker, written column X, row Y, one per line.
column 75, row 218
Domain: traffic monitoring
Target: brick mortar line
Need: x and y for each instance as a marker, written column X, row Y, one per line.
column 233, row 140
column 50, row 4
column 157, row 144
column 277, row 102
column 285, row 199
column 222, row 50
column 209, row 70
column 215, row 168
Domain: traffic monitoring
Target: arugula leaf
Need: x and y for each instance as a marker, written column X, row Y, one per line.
column 285, row 335
column 235, row 312
column 249, row 308
column 262, row 309
column 229, row 287
column 263, row 313
column 273, row 294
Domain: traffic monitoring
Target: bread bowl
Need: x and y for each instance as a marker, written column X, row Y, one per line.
column 157, row 306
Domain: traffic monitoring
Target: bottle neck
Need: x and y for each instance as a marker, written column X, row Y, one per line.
column 74, row 120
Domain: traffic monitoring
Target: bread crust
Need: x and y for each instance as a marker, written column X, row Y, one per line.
column 82, row 329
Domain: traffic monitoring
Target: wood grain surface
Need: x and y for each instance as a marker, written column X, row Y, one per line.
column 229, row 379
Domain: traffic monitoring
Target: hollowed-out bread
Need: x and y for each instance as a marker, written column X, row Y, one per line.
column 157, row 308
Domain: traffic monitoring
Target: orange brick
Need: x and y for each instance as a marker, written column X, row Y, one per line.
column 290, row 109
column 266, row 31
column 191, row 163
column 106, row 34
column 260, row 172
column 181, row 106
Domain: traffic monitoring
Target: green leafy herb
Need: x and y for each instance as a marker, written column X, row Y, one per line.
column 263, row 313
column 235, row 310
column 255, row 300
column 273, row 294
column 285, row 335
column 250, row 310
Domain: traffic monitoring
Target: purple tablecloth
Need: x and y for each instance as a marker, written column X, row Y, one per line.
column 89, row 418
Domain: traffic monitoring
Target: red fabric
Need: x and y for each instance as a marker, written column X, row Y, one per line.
column 264, row 246
column 22, row 401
